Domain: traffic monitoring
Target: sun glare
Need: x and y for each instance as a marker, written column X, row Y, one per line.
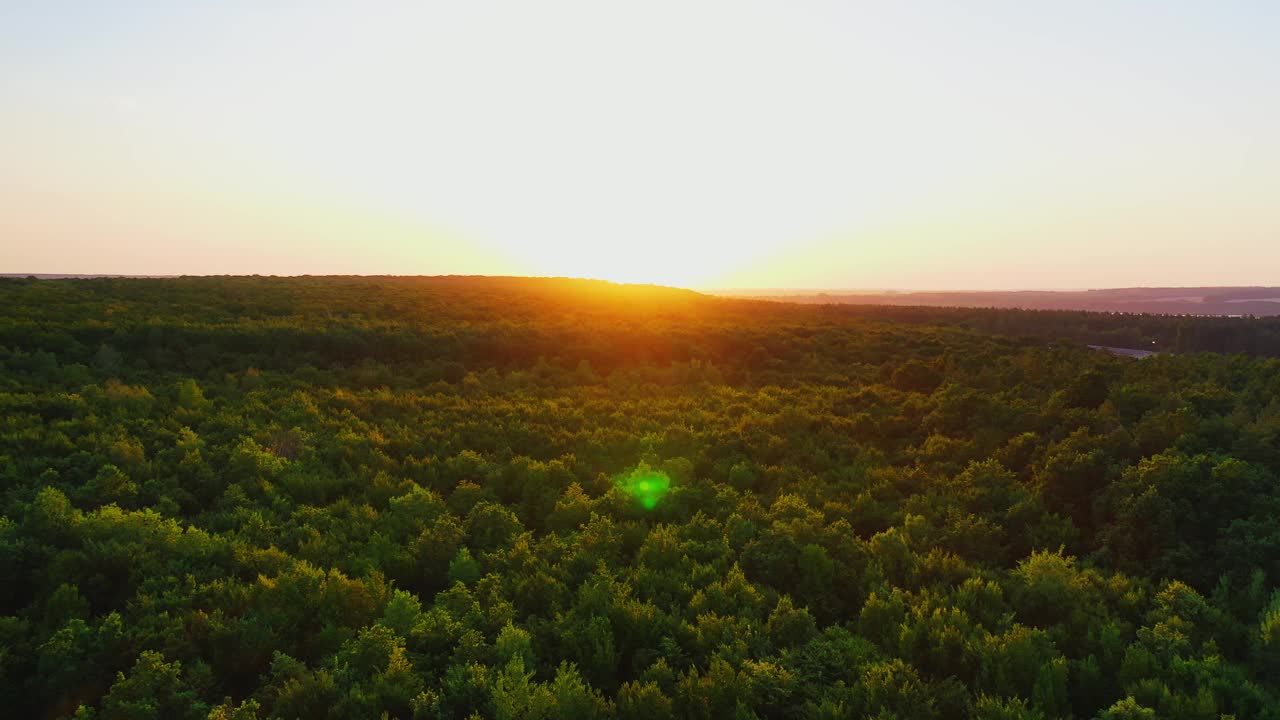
column 646, row 485
column 694, row 144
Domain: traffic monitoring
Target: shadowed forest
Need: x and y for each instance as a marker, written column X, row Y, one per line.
column 236, row 498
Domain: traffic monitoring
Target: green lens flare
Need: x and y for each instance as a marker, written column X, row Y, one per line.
column 647, row 486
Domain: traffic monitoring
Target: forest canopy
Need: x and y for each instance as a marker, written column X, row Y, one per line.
column 247, row 497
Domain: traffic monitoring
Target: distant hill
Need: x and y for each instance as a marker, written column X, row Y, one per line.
column 76, row 276
column 1223, row 301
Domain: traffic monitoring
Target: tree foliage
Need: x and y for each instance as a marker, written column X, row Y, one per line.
column 242, row 498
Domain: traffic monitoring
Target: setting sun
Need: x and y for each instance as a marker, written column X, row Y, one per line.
column 650, row 360
column 696, row 144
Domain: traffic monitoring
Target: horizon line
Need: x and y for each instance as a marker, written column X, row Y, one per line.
column 712, row 290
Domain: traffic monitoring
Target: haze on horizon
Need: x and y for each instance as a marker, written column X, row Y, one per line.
column 923, row 145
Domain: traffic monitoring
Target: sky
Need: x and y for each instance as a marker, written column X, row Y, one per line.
column 907, row 145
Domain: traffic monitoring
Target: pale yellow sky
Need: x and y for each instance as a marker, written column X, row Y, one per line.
column 863, row 145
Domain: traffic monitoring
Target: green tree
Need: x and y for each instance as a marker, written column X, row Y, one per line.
column 152, row 689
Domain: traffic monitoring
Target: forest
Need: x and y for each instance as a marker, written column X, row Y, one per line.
column 238, row 498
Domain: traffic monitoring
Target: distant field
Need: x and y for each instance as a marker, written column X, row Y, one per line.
column 1226, row 301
